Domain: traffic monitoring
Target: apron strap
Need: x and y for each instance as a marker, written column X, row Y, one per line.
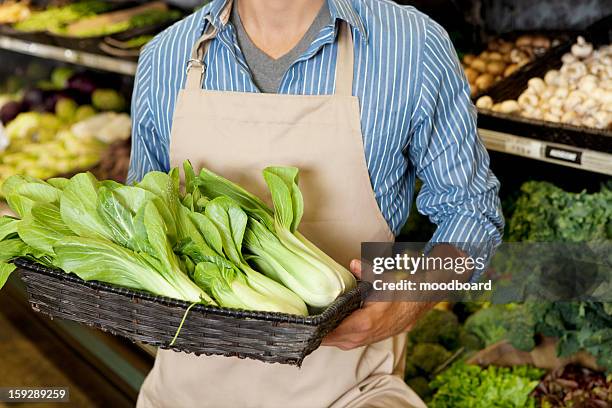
column 196, row 68
column 344, row 61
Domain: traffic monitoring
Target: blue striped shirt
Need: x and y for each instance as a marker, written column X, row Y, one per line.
column 417, row 118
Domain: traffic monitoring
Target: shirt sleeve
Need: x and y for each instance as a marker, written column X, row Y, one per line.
column 459, row 192
column 147, row 152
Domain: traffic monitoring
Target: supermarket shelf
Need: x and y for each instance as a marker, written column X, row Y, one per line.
column 561, row 154
column 67, row 55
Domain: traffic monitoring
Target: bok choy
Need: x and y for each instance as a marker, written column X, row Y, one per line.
column 212, row 243
column 272, row 237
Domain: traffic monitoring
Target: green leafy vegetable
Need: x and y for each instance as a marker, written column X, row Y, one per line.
column 275, row 245
column 200, row 245
column 470, row 386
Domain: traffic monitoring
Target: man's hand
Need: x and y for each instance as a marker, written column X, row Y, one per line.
column 375, row 321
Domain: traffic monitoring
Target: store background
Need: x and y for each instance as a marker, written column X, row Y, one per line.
column 103, row 370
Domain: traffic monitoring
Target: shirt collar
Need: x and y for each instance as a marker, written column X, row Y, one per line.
column 344, row 10
column 338, row 9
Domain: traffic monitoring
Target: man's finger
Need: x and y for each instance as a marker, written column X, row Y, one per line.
column 354, row 329
column 356, row 268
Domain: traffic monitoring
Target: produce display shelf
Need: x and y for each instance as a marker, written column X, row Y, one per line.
column 86, row 59
column 565, row 155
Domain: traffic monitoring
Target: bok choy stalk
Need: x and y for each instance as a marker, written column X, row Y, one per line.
column 223, row 271
column 302, row 267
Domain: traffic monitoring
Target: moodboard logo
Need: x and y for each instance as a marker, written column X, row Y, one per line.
column 513, row 272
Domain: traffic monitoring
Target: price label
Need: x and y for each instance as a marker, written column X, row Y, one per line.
column 4, row 140
column 523, row 147
column 564, row 154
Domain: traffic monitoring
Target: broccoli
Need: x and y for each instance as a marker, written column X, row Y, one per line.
column 428, row 356
column 511, row 322
column 411, row 370
column 420, row 385
column 469, row 341
column 437, row 326
column 488, row 324
column 463, row 310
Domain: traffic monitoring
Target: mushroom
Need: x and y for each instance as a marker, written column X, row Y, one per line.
column 537, row 85
column 603, row 119
column 570, row 117
column 574, row 70
column 552, row 77
column 473, row 89
column 548, row 92
column 587, row 83
column 568, row 58
column 589, row 122
column 484, row 102
column 556, row 110
column 509, row 106
column 574, row 99
column 484, row 81
column 582, row 49
column 527, row 100
column 555, row 102
column 586, row 106
column 602, row 95
column 561, row 92
column 537, row 113
column 550, row 117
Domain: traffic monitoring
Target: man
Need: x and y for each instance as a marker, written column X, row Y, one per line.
column 363, row 96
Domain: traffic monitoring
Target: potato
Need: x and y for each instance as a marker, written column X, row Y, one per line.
column 473, row 89
column 495, row 56
column 484, row 81
column 479, row 65
column 496, row 68
column 468, row 58
column 524, row 41
column 510, row 69
column 471, row 74
column 505, row 48
column 541, row 41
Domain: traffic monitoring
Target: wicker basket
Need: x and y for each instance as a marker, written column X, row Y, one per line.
column 141, row 317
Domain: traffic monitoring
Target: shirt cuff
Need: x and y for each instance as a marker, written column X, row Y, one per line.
column 475, row 236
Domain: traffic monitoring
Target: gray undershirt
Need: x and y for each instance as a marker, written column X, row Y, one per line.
column 266, row 71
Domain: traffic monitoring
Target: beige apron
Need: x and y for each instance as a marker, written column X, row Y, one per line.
column 237, row 135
